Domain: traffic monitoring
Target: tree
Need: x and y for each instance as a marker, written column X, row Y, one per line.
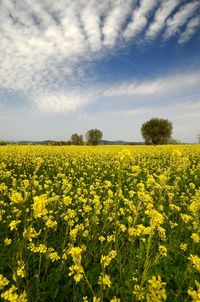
column 93, row 136
column 77, row 139
column 198, row 139
column 156, row 131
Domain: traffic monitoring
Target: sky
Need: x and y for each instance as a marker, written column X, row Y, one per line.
column 67, row 66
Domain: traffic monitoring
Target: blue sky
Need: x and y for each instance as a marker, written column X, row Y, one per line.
column 69, row 66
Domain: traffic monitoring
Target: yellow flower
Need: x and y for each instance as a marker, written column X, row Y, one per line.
column 138, row 292
column 76, row 269
column 162, row 250
column 156, row 218
column 54, row 256
column 195, row 237
column 39, row 206
column 95, row 299
column 51, row 224
column 105, row 260
column 3, row 281
column 115, row 300
column 20, row 269
column 195, row 262
column 195, row 294
column 13, row 224
column 67, row 200
column 183, row 246
column 12, row 295
column 186, row 218
column 102, row 239
column 122, row 227
column 30, row 233
column 111, row 238
column 16, row 197
column 41, row 248
column 7, row 241
column 156, row 290
column 105, row 280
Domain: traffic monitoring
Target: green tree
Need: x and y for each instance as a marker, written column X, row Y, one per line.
column 2, row 143
column 156, row 131
column 93, row 136
column 77, row 139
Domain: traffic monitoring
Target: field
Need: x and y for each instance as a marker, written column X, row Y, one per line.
column 100, row 223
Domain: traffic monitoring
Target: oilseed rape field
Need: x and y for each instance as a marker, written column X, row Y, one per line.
column 105, row 223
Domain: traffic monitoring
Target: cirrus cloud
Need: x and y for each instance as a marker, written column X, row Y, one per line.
column 47, row 46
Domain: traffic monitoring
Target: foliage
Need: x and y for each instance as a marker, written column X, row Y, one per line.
column 173, row 141
column 99, row 224
column 2, row 143
column 93, row 136
column 77, row 139
column 60, row 143
column 156, row 131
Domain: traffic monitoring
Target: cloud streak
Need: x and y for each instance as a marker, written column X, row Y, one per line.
column 175, row 22
column 191, row 27
column 47, row 46
column 160, row 17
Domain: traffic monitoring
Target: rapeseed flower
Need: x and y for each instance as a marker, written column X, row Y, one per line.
column 105, row 280
column 156, row 290
column 195, row 260
column 195, row 294
column 3, row 281
column 7, row 241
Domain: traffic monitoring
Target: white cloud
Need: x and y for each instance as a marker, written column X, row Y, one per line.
column 47, row 46
column 162, row 86
column 90, row 17
column 191, row 28
column 61, row 102
column 140, row 18
column 114, row 22
column 175, row 22
column 161, row 14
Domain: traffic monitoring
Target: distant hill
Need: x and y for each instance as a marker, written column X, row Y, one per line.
column 52, row 142
column 47, row 142
column 119, row 142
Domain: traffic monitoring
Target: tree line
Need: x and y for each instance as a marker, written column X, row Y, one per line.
column 154, row 132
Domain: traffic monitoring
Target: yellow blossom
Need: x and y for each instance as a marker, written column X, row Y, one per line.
column 195, row 237
column 51, row 224
column 183, row 246
column 7, row 241
column 20, row 269
column 162, row 250
column 39, row 206
column 13, row 224
column 105, row 280
column 115, row 299
column 16, row 197
column 105, row 260
column 3, row 281
column 195, row 294
column 54, row 256
column 156, row 290
column 195, row 260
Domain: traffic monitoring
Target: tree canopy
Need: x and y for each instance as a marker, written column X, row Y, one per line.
column 157, row 131
column 77, row 139
column 93, row 136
